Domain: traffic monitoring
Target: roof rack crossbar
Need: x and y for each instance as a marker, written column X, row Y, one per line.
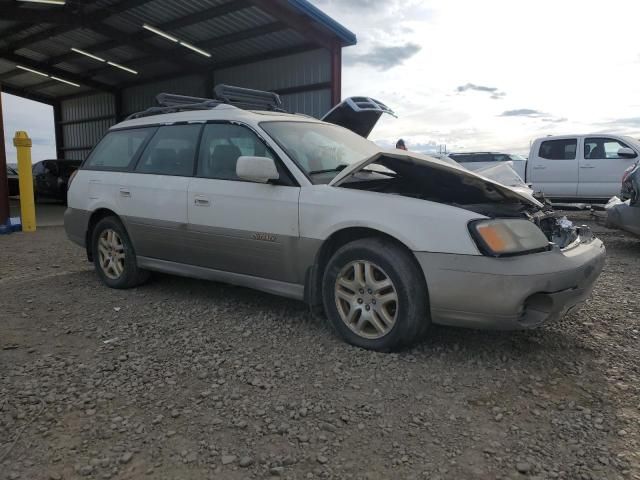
column 248, row 96
column 173, row 100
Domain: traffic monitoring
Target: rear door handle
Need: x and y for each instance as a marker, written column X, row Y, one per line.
column 539, row 167
column 125, row 193
column 201, row 202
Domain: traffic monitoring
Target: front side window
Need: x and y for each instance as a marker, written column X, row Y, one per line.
column 602, row 148
column 222, row 145
column 171, row 151
column 117, row 149
column 321, row 150
column 559, row 149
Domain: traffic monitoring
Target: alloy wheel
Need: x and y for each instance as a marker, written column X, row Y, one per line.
column 366, row 299
column 111, row 253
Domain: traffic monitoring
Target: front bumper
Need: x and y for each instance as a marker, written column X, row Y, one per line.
column 510, row 293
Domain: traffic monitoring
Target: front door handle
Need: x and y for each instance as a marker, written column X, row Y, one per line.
column 587, row 166
column 125, row 193
column 201, row 202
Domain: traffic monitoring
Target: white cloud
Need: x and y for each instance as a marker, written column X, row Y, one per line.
column 36, row 119
column 573, row 65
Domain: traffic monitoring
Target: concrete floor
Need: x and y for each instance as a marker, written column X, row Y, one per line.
column 48, row 212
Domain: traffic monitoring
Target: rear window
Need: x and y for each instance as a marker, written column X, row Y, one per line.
column 118, row 148
column 558, row 149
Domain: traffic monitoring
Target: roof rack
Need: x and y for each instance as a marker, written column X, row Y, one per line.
column 248, row 97
column 239, row 97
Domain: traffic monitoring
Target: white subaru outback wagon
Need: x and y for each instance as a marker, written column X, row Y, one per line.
column 387, row 242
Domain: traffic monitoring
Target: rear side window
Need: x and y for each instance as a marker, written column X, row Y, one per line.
column 171, row 151
column 558, row 149
column 117, row 149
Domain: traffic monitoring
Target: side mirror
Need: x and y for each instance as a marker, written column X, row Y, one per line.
column 626, row 152
column 257, row 169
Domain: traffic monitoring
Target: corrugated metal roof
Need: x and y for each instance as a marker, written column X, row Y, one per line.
column 229, row 38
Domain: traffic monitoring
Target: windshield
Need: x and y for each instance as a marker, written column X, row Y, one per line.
column 321, row 150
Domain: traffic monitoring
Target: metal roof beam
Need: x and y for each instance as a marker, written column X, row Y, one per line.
column 11, row 73
column 207, row 44
column 185, row 21
column 72, row 77
column 78, row 21
column 243, row 35
column 297, row 22
column 24, row 93
column 20, row 13
column 210, row 70
column 173, row 52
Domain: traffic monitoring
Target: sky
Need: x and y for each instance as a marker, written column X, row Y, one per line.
column 36, row 119
column 493, row 74
column 468, row 74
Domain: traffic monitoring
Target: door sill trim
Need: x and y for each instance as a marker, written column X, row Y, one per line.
column 276, row 287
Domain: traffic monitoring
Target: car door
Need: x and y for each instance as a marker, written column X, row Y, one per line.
column 601, row 168
column 105, row 168
column 553, row 168
column 240, row 226
column 154, row 194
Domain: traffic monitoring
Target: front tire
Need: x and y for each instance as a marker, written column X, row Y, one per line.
column 375, row 295
column 113, row 255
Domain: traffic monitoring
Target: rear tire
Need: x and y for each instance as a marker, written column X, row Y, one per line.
column 375, row 295
column 114, row 256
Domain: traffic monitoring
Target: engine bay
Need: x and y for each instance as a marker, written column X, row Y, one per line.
column 467, row 192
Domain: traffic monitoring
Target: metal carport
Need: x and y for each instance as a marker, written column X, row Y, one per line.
column 288, row 46
column 97, row 61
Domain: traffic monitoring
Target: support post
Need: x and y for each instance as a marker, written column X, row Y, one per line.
column 4, row 182
column 336, row 75
column 57, row 119
column 22, row 142
column 117, row 105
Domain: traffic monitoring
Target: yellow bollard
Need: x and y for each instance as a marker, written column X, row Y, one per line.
column 22, row 142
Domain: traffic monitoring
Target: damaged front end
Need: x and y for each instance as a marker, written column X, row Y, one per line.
column 624, row 213
column 427, row 178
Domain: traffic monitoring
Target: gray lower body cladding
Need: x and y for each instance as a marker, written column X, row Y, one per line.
column 464, row 290
column 510, row 293
column 76, row 222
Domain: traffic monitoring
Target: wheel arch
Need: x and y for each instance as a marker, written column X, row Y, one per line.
column 339, row 238
column 95, row 217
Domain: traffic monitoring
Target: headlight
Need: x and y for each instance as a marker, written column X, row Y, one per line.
column 505, row 237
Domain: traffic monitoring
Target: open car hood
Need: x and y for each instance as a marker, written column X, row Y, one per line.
column 389, row 159
column 358, row 114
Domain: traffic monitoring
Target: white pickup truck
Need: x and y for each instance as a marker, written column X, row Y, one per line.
column 586, row 167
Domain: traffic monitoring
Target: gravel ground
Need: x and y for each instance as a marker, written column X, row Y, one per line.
column 195, row 380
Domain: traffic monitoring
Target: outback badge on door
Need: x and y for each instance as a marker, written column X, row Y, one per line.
column 264, row 237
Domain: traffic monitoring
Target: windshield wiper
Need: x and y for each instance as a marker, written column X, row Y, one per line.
column 339, row 168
